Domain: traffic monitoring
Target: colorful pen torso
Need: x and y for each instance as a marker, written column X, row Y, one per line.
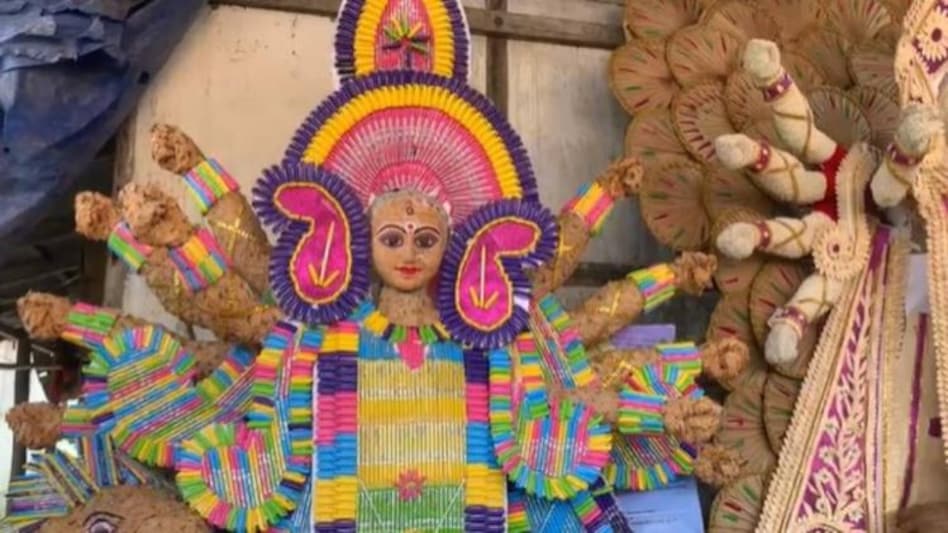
column 402, row 433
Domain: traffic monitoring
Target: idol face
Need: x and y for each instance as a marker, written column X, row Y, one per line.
column 409, row 236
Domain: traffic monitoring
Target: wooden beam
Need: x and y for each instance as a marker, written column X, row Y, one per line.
column 38, row 276
column 489, row 22
column 544, row 29
column 113, row 283
column 6, row 367
column 496, row 64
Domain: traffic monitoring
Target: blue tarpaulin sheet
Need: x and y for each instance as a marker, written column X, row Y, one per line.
column 70, row 72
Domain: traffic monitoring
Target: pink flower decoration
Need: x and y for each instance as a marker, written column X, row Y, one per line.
column 409, row 485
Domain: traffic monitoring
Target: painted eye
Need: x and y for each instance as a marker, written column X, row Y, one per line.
column 426, row 241
column 102, row 523
column 392, row 239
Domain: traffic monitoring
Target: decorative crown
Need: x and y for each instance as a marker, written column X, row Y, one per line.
column 403, row 117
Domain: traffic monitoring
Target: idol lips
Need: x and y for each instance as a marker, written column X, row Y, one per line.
column 408, row 270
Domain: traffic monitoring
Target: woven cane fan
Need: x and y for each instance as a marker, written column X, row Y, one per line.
column 882, row 112
column 700, row 116
column 699, row 53
column 827, row 51
column 795, row 17
column 738, row 504
column 724, row 189
column 741, row 19
column 640, row 78
column 897, row 9
column 870, row 65
column 780, row 395
column 743, row 428
column 731, row 319
column 857, row 21
column 839, row 116
column 670, row 195
column 744, row 102
column 651, row 137
column 660, row 19
column 803, row 68
column 819, row 45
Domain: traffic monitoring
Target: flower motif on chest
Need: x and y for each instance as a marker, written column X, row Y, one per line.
column 410, row 484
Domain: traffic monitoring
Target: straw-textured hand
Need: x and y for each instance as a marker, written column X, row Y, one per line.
column 581, row 219
column 835, row 232
column 921, row 131
column 620, row 303
column 226, row 211
column 212, row 275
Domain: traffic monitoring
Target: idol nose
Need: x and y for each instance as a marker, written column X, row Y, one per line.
column 413, row 251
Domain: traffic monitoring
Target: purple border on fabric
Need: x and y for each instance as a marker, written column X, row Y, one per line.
column 346, row 29
column 337, row 372
column 481, row 519
column 291, row 232
column 514, row 268
column 611, row 514
column 880, row 247
column 339, row 526
column 476, row 369
column 859, row 321
column 356, row 87
column 915, row 408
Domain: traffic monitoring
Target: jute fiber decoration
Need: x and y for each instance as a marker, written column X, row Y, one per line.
column 710, row 98
column 743, row 429
column 185, row 266
column 780, row 396
column 730, row 320
column 914, row 468
column 841, row 237
column 737, row 506
column 49, row 318
column 842, row 54
column 771, row 289
column 620, row 302
column 662, row 419
column 828, row 472
column 214, row 191
column 581, row 217
column 460, row 397
column 914, row 162
column 836, row 232
column 717, row 465
column 36, row 425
